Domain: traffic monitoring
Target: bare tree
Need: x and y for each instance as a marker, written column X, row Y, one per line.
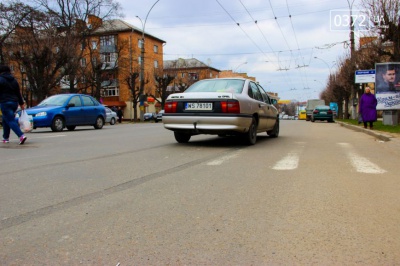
column 12, row 15
column 163, row 82
column 385, row 16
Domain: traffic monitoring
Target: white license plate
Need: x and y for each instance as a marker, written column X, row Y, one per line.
column 323, row 113
column 198, row 106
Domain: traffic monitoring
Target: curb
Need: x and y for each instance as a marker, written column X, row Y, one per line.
column 376, row 134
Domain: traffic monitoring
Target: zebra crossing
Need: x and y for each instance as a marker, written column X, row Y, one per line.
column 291, row 160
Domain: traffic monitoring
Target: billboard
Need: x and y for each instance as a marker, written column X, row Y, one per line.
column 387, row 85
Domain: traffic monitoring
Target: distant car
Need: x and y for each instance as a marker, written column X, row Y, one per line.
column 224, row 107
column 285, row 117
column 149, row 116
column 111, row 116
column 322, row 112
column 68, row 111
column 159, row 116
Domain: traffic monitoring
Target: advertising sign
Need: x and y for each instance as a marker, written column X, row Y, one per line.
column 387, row 86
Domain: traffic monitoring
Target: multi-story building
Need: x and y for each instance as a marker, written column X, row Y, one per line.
column 119, row 47
column 107, row 60
column 188, row 71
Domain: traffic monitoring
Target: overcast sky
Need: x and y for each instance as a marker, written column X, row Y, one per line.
column 275, row 41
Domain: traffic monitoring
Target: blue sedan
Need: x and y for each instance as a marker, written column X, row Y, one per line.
column 68, row 111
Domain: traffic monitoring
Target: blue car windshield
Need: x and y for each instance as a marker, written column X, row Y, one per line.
column 57, row 100
column 217, row 85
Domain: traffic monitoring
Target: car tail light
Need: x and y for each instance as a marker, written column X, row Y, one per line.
column 230, row 107
column 170, row 107
column 315, row 112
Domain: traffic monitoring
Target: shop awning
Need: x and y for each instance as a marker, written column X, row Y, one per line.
column 114, row 103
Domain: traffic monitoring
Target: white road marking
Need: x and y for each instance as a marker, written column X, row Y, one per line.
column 221, row 160
column 289, row 162
column 361, row 164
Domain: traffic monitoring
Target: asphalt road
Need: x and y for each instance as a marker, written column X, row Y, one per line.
column 129, row 194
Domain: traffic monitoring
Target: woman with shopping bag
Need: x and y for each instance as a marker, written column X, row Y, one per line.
column 10, row 98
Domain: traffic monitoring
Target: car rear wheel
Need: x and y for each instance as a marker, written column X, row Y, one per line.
column 274, row 133
column 182, row 137
column 251, row 136
column 112, row 122
column 70, row 128
column 99, row 123
column 58, row 124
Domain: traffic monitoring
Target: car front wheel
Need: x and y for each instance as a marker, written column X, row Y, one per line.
column 112, row 122
column 182, row 137
column 99, row 123
column 58, row 124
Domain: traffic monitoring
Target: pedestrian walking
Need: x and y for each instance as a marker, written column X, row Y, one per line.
column 119, row 114
column 368, row 105
column 10, row 98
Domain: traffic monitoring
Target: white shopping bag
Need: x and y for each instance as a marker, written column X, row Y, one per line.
column 25, row 122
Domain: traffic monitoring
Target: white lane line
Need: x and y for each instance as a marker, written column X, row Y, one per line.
column 361, row 164
column 221, row 160
column 289, row 162
column 49, row 136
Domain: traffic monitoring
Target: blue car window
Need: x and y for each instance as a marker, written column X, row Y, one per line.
column 76, row 100
column 87, row 101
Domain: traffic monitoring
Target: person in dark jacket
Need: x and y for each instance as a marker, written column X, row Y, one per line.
column 368, row 105
column 120, row 114
column 10, row 98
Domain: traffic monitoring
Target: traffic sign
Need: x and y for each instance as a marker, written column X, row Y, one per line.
column 365, row 76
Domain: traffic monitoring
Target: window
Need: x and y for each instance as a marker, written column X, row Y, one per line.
column 107, row 40
column 75, row 100
column 87, row 101
column 110, row 91
column 264, row 95
column 94, row 45
column 255, row 93
column 182, row 75
column 139, row 60
column 83, row 62
column 194, row 76
column 155, row 49
column 83, row 46
column 106, row 57
column 140, row 43
column 155, row 64
column 94, row 61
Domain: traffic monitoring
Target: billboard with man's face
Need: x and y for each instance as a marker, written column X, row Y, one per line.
column 387, row 86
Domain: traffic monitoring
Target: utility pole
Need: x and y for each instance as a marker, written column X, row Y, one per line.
column 353, row 96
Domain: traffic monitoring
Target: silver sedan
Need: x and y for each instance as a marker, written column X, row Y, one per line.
column 229, row 106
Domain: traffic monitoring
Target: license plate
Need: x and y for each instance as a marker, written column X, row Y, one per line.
column 198, row 106
column 323, row 113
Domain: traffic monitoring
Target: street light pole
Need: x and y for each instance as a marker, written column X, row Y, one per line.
column 142, row 51
column 239, row 66
column 330, row 69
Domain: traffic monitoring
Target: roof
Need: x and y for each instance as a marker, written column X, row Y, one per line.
column 118, row 25
column 185, row 64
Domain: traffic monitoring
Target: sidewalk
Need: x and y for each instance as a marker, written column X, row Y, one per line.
column 384, row 136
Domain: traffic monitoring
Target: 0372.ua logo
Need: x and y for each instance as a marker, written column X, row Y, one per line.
column 342, row 19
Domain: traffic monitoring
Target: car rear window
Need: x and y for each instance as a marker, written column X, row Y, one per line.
column 217, row 85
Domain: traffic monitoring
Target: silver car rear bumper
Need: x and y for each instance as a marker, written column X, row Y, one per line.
column 207, row 124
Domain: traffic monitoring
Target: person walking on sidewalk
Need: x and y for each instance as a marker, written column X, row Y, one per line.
column 368, row 105
column 10, row 98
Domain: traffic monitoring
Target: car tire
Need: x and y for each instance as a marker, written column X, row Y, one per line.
column 99, row 123
column 274, row 133
column 250, row 136
column 58, row 124
column 312, row 119
column 71, row 128
column 182, row 137
column 113, row 121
